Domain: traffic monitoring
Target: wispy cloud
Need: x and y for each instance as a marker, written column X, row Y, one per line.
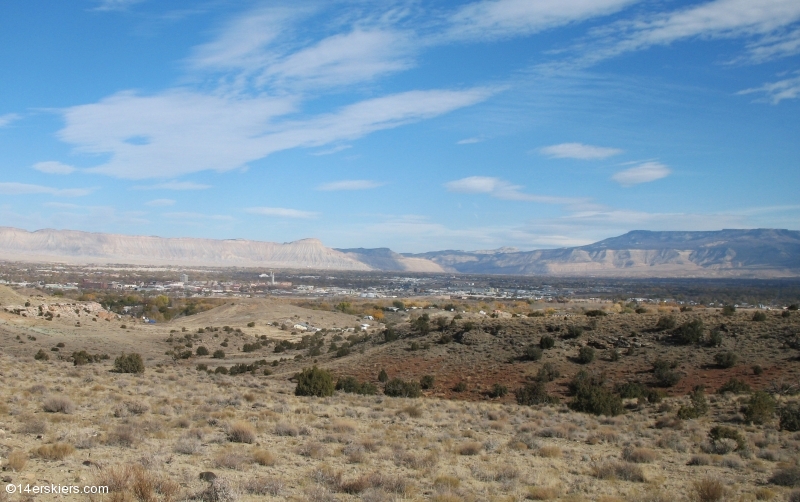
column 174, row 185
column 190, row 216
column 330, row 151
column 54, row 167
column 349, row 185
column 492, row 19
column 111, row 5
column 11, row 188
column 160, row 202
column 190, row 132
column 643, row 173
column 502, row 189
column 469, row 141
column 8, row 118
column 762, row 22
column 775, row 92
column 281, row 212
column 579, row 151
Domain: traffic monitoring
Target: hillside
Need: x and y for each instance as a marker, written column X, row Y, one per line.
column 640, row 253
column 84, row 247
column 757, row 253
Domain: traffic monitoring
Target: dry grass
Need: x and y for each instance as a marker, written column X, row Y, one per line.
column 638, row 455
column 549, row 451
column 241, row 432
column 541, row 493
column 263, row 457
column 708, row 490
column 56, row 451
column 58, row 404
column 471, row 448
column 16, row 460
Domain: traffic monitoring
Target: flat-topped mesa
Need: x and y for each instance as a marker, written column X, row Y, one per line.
column 86, row 247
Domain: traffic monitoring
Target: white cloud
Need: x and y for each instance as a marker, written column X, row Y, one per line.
column 763, row 21
column 11, row 188
column 190, row 132
column 281, row 212
column 775, row 92
column 469, row 141
column 579, row 151
column 110, row 5
column 502, row 189
column 174, row 185
column 54, row 167
column 160, row 202
column 643, row 173
column 8, row 118
column 189, row 216
column 330, row 151
column 489, row 19
column 349, row 185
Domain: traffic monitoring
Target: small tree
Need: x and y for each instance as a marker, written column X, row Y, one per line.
column 665, row 323
column 728, row 310
column 726, row 359
column 219, row 354
column 201, row 351
column 400, row 388
column 546, row 342
column 586, row 355
column 130, row 363
column 534, row 393
column 383, row 377
column 691, row 332
column 426, row 382
column 760, row 409
column 42, row 356
column 790, row 417
column 759, row 316
column 699, row 405
column 532, row 353
column 314, row 382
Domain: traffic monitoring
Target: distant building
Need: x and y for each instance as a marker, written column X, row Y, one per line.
column 184, row 279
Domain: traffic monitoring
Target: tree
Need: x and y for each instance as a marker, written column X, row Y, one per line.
column 383, row 377
column 314, row 382
column 130, row 363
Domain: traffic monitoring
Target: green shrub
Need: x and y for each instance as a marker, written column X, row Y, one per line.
column 221, row 370
column 788, row 476
column 573, row 332
column 201, row 351
column 666, row 322
column 498, row 390
column 664, row 373
column 426, row 382
column 219, row 354
column 546, row 342
column 460, row 386
column 714, row 338
column 352, row 385
column 726, row 359
column 383, row 377
column 759, row 316
column 760, row 408
column 728, row 310
column 613, row 355
column 631, row 390
column 202, row 367
column 534, row 393
column 42, row 356
column 344, row 350
column 690, row 332
column 790, row 417
column 734, row 386
column 130, row 363
column 532, row 353
column 251, row 347
column 585, row 355
column 314, row 382
column 251, row 324
column 596, row 399
column 547, row 373
column 400, row 388
column 722, row 432
column 699, row 405
column 595, row 313
column 641, row 310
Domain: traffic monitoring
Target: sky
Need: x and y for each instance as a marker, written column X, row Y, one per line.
column 417, row 126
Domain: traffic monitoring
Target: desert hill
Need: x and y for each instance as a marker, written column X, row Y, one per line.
column 641, row 253
column 756, row 253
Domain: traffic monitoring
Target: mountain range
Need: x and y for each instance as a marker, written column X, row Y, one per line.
column 756, row 253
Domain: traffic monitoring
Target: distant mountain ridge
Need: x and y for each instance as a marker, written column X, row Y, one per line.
column 756, row 253
column 643, row 253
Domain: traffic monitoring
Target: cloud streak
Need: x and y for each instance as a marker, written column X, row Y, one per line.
column 502, row 189
column 8, row 118
column 336, row 186
column 775, row 92
column 53, row 167
column 11, row 188
column 643, row 173
column 281, row 212
column 579, row 151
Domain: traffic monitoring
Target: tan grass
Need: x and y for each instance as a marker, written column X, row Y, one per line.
column 55, row 451
column 16, row 460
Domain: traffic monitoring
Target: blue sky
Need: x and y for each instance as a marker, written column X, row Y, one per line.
column 412, row 125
